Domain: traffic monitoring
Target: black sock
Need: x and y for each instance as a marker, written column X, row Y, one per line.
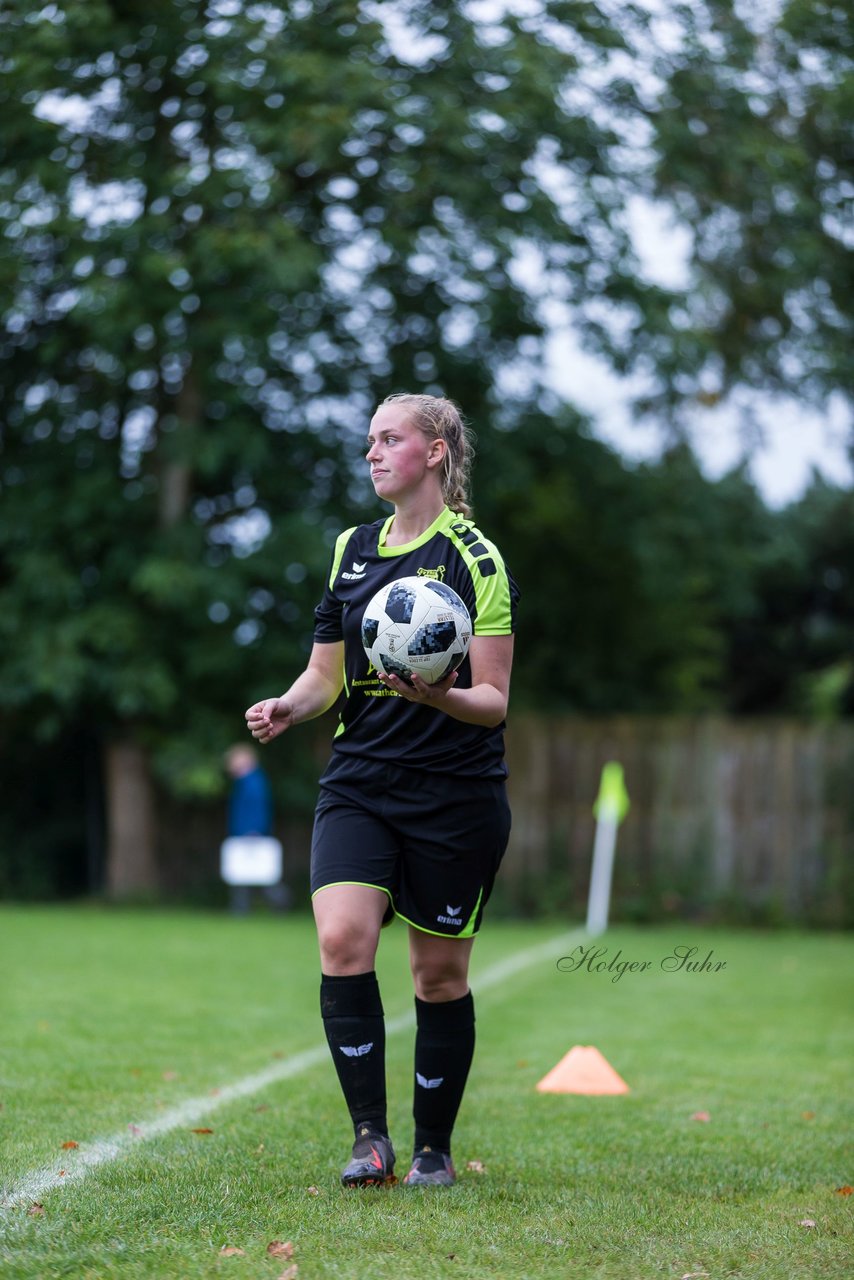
column 444, row 1047
column 352, row 1014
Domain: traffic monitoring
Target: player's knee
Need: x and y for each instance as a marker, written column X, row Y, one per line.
column 437, row 985
column 344, row 949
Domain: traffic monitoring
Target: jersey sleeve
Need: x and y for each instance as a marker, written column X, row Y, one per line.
column 328, row 620
column 496, row 593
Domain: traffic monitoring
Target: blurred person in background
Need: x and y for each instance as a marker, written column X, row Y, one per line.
column 250, row 813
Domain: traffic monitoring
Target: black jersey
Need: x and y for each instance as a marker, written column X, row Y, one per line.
column 375, row 722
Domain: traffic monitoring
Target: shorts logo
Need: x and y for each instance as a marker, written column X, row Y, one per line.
column 358, row 572
column 428, row 1084
column 453, row 916
column 438, row 573
column 356, row 1051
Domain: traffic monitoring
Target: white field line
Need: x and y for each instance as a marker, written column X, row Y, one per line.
column 187, row 1114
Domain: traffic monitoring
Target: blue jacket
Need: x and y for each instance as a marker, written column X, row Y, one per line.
column 250, row 805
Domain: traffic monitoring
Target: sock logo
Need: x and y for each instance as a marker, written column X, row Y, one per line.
column 428, row 1084
column 356, row 1051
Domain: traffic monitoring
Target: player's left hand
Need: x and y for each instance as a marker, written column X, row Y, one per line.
column 430, row 695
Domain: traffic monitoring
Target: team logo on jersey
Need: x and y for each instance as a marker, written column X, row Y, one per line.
column 357, row 573
column 437, row 573
column 453, row 916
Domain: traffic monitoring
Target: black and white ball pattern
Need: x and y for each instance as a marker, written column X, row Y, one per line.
column 416, row 625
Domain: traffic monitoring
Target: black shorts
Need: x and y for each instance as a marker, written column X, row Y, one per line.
column 432, row 842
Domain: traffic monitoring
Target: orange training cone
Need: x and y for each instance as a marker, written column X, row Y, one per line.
column 583, row 1070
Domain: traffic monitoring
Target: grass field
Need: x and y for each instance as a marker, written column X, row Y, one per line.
column 124, row 1032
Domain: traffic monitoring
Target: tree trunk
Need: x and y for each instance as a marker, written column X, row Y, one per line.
column 131, row 823
column 176, row 475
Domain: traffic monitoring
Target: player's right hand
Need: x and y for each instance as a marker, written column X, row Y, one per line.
column 266, row 720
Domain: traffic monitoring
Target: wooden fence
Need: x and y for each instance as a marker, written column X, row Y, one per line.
column 753, row 818
column 740, row 819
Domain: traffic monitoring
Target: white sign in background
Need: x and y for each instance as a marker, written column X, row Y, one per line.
column 251, row 860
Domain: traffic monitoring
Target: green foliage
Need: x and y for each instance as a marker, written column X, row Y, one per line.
column 633, row 579
column 754, row 155
column 224, row 236
column 225, row 232
column 791, row 650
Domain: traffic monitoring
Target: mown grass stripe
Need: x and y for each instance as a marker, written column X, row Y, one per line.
column 101, row 1151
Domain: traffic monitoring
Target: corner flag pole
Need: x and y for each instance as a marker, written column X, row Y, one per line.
column 612, row 805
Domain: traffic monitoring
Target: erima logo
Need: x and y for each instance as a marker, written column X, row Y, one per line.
column 453, row 916
column 356, row 1051
column 358, row 572
column 428, row 1084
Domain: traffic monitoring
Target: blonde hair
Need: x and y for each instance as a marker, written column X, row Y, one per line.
column 441, row 419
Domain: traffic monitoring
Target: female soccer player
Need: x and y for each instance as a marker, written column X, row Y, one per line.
column 412, row 818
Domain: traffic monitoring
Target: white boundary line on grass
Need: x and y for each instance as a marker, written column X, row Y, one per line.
column 91, row 1155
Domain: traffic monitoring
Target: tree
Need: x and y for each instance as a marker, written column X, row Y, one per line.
column 634, row 578
column 791, row 651
column 227, row 228
column 750, row 152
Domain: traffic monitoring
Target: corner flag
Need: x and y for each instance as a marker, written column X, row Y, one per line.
column 611, row 806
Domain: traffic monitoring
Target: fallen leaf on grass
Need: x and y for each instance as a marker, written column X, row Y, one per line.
column 313, row 1191
column 264, row 1106
column 290, row 1273
column 280, row 1249
column 844, row 1191
column 808, row 1115
column 232, row 1251
column 35, row 1210
column 701, row 1115
column 476, row 1166
column 259, row 1148
column 201, row 1130
column 213, row 1093
column 134, row 1130
column 70, row 1146
column 61, row 1173
column 807, row 1222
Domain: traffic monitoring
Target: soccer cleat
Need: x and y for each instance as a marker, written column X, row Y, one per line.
column 372, row 1162
column 431, row 1169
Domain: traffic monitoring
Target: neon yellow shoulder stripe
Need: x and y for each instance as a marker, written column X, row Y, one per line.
column 488, row 574
column 340, row 543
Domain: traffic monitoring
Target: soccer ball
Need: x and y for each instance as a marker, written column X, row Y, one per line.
column 416, row 625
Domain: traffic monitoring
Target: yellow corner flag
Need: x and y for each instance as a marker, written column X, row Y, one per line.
column 611, row 806
column 613, row 798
